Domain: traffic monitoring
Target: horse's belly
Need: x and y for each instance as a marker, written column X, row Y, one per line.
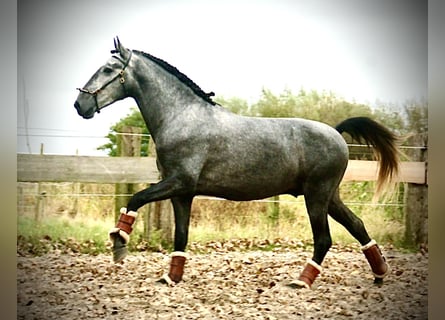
column 243, row 186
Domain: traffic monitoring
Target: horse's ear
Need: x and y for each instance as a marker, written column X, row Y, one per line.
column 116, row 41
column 119, row 48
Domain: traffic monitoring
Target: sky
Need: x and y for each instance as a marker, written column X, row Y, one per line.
column 364, row 51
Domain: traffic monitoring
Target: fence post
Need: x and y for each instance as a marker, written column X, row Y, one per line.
column 128, row 145
column 76, row 191
column 40, row 204
column 274, row 212
column 159, row 215
column 416, row 199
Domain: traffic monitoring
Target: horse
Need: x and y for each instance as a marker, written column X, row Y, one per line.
column 204, row 149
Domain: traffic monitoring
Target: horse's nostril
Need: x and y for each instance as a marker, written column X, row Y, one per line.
column 77, row 105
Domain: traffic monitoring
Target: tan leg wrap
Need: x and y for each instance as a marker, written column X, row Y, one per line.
column 376, row 259
column 124, row 225
column 308, row 275
column 177, row 266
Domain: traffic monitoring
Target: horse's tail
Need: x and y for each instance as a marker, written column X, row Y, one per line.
column 363, row 129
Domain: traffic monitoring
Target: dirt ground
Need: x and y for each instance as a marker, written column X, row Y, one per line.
column 220, row 285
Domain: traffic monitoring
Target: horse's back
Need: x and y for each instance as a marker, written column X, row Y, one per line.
column 293, row 136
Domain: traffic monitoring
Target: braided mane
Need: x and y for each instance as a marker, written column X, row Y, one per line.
column 181, row 77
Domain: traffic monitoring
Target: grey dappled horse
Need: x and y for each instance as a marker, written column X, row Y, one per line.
column 203, row 149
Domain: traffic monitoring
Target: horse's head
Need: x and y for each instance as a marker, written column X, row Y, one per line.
column 107, row 85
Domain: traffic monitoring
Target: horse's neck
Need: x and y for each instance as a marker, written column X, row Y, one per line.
column 160, row 96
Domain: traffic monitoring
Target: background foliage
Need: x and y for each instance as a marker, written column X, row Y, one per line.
column 408, row 119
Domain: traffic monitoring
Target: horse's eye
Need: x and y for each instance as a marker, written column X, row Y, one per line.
column 107, row 70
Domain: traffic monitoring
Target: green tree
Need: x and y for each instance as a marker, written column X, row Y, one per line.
column 416, row 116
column 134, row 119
column 234, row 104
column 325, row 106
column 391, row 116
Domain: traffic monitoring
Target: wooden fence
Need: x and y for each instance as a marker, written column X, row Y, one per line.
column 57, row 168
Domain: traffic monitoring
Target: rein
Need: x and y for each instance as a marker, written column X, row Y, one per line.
column 120, row 75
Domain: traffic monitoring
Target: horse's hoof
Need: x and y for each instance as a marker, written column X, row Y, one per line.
column 378, row 281
column 162, row 281
column 119, row 254
column 166, row 280
column 298, row 284
column 119, row 250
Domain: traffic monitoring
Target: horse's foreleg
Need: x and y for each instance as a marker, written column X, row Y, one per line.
column 182, row 206
column 355, row 226
column 120, row 235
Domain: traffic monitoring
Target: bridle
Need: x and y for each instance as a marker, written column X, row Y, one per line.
column 119, row 75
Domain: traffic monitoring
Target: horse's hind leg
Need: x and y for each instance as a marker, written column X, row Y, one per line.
column 317, row 207
column 338, row 210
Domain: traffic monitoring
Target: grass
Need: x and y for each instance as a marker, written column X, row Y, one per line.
column 64, row 227
column 293, row 222
column 74, row 234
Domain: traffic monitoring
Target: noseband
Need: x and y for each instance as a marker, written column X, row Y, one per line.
column 120, row 75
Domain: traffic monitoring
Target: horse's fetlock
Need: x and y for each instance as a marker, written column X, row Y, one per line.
column 177, row 263
column 376, row 259
column 308, row 275
column 124, row 225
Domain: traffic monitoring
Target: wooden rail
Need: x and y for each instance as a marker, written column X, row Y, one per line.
column 361, row 170
column 57, row 168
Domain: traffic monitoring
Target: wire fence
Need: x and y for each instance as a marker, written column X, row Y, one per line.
column 79, row 134
column 63, row 197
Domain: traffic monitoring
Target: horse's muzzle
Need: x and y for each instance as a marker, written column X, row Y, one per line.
column 86, row 115
column 77, row 106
